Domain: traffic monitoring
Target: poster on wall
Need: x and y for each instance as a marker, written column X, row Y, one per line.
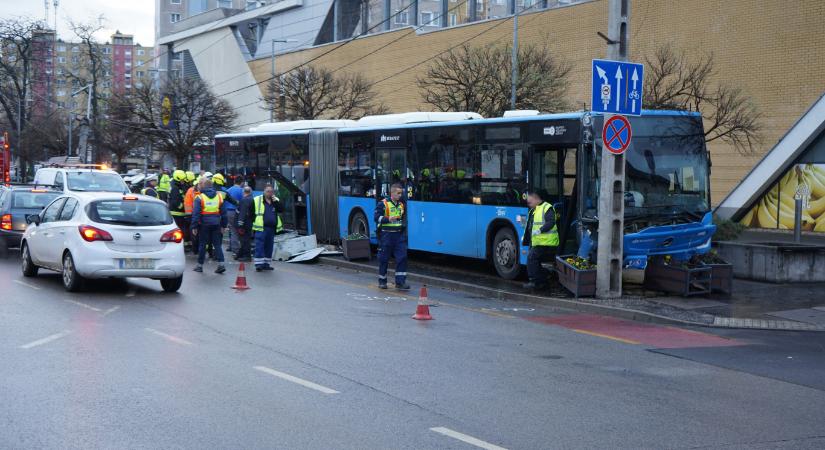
column 775, row 209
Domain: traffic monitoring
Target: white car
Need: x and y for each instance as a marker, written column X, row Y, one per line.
column 105, row 235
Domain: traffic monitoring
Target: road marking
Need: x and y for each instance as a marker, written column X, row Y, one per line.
column 110, row 310
column 45, row 340
column 301, row 381
column 83, row 305
column 168, row 337
column 466, row 438
column 612, row 338
column 22, row 283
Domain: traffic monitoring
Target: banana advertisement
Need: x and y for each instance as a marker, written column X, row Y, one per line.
column 776, row 208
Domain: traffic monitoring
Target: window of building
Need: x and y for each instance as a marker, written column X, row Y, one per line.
column 61, row 59
column 428, row 19
column 479, row 5
column 453, row 20
column 61, row 82
column 140, row 63
column 141, row 52
column 128, row 53
column 128, row 63
column 174, row 2
column 139, row 74
column 61, row 93
column 401, row 17
column 75, row 59
column 128, row 86
column 61, row 48
column 127, row 75
column 498, row 2
column 107, row 50
column 138, row 85
column 61, row 104
column 174, row 17
column 177, row 56
column 75, row 49
column 224, row 3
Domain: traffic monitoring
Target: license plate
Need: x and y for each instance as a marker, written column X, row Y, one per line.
column 137, row 263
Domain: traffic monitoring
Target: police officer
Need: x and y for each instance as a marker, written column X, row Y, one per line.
column 219, row 181
column 391, row 217
column 209, row 224
column 542, row 236
column 265, row 224
column 151, row 187
column 164, row 185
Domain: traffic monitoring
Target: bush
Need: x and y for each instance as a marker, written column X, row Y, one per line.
column 727, row 230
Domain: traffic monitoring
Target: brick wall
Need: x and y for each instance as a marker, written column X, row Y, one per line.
column 772, row 49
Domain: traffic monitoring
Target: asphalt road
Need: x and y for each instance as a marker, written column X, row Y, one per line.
column 314, row 357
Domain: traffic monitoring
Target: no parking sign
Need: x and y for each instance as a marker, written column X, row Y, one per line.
column 616, row 134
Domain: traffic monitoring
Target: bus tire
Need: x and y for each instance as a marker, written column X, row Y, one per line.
column 358, row 224
column 505, row 254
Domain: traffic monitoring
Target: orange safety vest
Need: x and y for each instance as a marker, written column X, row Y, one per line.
column 211, row 206
column 189, row 201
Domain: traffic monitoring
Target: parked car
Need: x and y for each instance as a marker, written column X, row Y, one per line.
column 104, row 235
column 16, row 204
column 81, row 178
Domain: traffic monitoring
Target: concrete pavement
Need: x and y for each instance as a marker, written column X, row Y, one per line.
column 314, row 357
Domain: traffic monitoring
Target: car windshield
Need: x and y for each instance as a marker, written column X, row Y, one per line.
column 666, row 172
column 129, row 212
column 91, row 181
column 32, row 200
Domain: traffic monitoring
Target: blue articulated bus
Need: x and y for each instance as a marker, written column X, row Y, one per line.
column 466, row 179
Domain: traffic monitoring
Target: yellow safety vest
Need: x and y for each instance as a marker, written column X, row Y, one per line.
column 210, row 206
column 539, row 239
column 144, row 190
column 258, row 223
column 164, row 184
column 391, row 210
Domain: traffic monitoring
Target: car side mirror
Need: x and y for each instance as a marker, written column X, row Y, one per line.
column 33, row 219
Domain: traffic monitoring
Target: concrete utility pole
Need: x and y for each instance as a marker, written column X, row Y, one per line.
column 611, row 193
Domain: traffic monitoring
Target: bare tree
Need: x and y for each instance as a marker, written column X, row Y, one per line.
column 478, row 78
column 674, row 80
column 314, row 93
column 115, row 137
column 89, row 69
column 197, row 115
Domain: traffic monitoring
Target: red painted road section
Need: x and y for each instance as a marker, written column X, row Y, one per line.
column 655, row 336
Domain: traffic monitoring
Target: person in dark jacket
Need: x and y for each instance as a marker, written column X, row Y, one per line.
column 244, row 226
column 542, row 236
column 391, row 219
column 209, row 223
column 176, row 193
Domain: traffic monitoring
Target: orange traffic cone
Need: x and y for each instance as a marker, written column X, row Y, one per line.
column 422, row 311
column 240, row 282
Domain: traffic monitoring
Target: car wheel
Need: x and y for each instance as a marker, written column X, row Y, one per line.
column 72, row 280
column 29, row 269
column 506, row 254
column 358, row 224
column 171, row 284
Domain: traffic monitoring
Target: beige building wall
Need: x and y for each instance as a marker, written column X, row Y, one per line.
column 772, row 49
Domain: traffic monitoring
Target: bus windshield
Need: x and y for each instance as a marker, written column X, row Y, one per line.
column 666, row 171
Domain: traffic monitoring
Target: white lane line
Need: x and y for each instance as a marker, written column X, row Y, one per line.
column 110, row 310
column 45, row 340
column 465, row 438
column 22, row 283
column 169, row 337
column 296, row 380
column 83, row 305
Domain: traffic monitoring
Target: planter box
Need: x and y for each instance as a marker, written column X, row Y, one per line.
column 581, row 283
column 356, row 249
column 684, row 281
column 721, row 278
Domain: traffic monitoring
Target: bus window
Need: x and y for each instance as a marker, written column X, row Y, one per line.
column 446, row 155
column 355, row 161
column 545, row 173
column 569, row 171
column 502, row 172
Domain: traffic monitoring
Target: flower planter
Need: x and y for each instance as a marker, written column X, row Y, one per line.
column 684, row 281
column 356, row 249
column 580, row 282
column 721, row 278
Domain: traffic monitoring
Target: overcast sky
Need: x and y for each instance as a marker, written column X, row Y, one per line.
column 135, row 17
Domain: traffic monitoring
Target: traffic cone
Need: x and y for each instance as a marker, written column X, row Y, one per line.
column 422, row 311
column 240, row 281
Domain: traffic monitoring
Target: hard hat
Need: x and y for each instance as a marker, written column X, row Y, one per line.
column 207, row 175
column 151, row 178
column 179, row 175
column 218, row 179
column 190, row 176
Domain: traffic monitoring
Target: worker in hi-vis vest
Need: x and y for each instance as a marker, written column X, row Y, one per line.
column 391, row 219
column 266, row 223
column 542, row 236
column 164, row 185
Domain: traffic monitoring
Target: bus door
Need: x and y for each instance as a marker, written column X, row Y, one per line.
column 553, row 175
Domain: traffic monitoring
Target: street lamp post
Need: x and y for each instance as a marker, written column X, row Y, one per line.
column 272, row 73
column 514, row 58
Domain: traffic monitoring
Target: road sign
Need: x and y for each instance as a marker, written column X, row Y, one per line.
column 616, row 134
column 617, row 87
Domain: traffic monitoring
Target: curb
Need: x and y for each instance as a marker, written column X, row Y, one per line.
column 576, row 305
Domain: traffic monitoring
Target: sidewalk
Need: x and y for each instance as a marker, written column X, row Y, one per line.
column 753, row 305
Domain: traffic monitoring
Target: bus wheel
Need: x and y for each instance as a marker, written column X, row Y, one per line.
column 505, row 254
column 358, row 224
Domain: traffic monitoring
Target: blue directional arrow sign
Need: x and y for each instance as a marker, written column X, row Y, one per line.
column 617, row 87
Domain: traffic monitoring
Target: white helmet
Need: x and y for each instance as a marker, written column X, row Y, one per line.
column 207, row 175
